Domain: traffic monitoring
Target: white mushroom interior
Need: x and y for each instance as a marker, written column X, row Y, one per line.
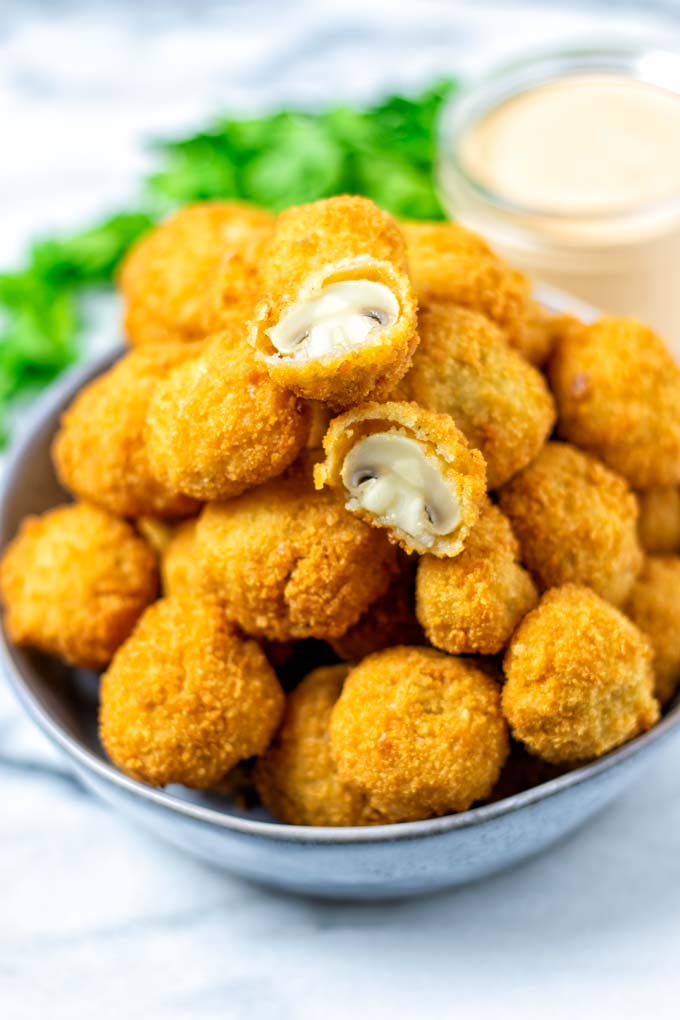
column 342, row 316
column 392, row 477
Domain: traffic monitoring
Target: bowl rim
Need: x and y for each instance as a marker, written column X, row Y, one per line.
column 45, row 409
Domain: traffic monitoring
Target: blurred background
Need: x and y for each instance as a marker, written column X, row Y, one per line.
column 84, row 87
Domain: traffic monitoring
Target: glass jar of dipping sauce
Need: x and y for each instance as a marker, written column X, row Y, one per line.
column 569, row 165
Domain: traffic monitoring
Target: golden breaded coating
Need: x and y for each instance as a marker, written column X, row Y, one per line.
column 289, row 562
column 579, row 678
column 218, row 425
column 296, row 778
column 659, row 520
column 74, row 582
column 186, row 697
column 576, row 521
column 537, row 334
column 100, row 452
column 390, row 620
column 156, row 532
column 617, row 389
column 419, row 732
column 654, row 606
column 464, row 367
column 473, row 603
column 408, row 470
column 337, row 322
column 195, row 273
column 449, row 263
column 558, row 326
column 180, row 568
column 321, row 416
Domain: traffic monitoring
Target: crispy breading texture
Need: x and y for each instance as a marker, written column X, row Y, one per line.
column 218, row 425
column 321, row 416
column 390, row 620
column 654, row 606
column 464, row 367
column 74, row 582
column 156, row 532
column 100, row 452
column 337, row 239
column 195, row 273
column 461, row 468
column 449, row 263
column 296, row 778
column 538, row 333
column 659, row 520
column 289, row 562
column 419, row 732
column 617, row 389
column 186, row 697
column 180, row 568
column 576, row 521
column 473, row 603
column 579, row 678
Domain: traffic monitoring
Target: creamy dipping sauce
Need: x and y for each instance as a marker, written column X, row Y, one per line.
column 572, row 173
column 390, row 475
column 341, row 318
column 585, row 144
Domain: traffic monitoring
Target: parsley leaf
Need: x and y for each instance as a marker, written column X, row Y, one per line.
column 39, row 321
column 386, row 152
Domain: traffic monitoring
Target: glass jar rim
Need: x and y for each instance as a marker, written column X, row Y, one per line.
column 649, row 65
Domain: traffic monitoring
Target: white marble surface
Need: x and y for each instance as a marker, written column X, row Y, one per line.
column 96, row 918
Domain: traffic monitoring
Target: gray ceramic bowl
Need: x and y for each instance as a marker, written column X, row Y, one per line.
column 364, row 863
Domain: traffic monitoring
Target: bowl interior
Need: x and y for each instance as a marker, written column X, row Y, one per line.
column 63, row 700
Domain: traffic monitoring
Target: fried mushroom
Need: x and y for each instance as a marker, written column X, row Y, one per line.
column 296, row 778
column 473, row 603
column 180, row 568
column 576, row 521
column 659, row 520
column 654, row 606
column 418, row 732
column 194, row 274
column 218, row 425
column 100, row 452
column 407, row 470
column 579, row 678
column 338, row 320
column 617, row 389
column 450, row 263
column 186, row 697
column 289, row 562
column 464, row 367
column 74, row 582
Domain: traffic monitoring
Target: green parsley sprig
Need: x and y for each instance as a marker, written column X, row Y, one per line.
column 386, row 152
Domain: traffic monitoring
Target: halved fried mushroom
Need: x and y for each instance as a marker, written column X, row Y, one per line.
column 407, row 470
column 343, row 316
column 337, row 323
